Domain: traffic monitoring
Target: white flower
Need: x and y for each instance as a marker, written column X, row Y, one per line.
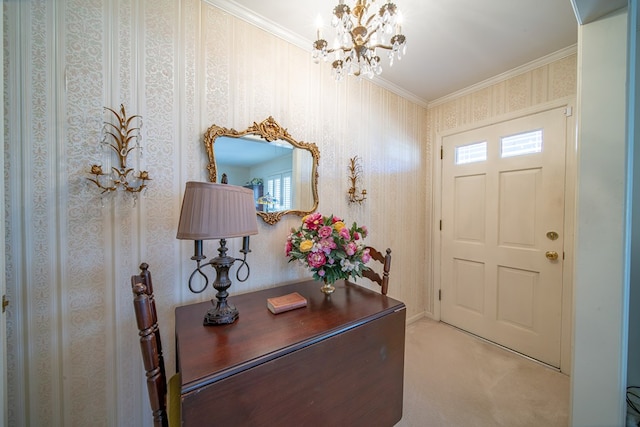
column 348, row 265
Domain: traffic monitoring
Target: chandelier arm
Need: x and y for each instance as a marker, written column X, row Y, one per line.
column 353, row 40
column 362, row 10
column 366, row 41
column 342, row 49
column 382, row 46
column 369, row 20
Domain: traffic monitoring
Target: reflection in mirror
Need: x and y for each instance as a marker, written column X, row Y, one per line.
column 281, row 171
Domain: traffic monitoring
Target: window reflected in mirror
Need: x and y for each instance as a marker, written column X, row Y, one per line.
column 281, row 171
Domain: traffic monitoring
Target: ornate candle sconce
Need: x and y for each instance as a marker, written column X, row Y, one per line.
column 118, row 138
column 355, row 173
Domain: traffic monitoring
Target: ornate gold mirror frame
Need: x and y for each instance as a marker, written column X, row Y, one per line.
column 270, row 132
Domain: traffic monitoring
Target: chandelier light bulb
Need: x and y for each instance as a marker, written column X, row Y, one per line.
column 360, row 31
column 319, row 25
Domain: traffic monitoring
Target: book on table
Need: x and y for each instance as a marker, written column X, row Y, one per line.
column 286, row 302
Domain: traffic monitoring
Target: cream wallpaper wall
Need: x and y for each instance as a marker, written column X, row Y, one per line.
column 182, row 65
column 73, row 358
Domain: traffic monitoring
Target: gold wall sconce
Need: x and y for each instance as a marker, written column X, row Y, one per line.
column 355, row 174
column 123, row 138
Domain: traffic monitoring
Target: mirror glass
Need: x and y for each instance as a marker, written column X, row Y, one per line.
column 281, row 171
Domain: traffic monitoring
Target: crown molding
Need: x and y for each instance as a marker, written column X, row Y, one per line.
column 277, row 30
column 259, row 21
column 241, row 12
column 540, row 62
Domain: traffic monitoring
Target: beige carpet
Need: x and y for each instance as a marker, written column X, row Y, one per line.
column 454, row 379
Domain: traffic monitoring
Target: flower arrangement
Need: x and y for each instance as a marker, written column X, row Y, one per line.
column 329, row 248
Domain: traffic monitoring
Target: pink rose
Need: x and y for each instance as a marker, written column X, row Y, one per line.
column 356, row 236
column 287, row 247
column 327, row 245
column 365, row 232
column 316, row 259
column 366, row 257
column 325, row 231
column 344, row 233
column 350, row 248
column 336, row 219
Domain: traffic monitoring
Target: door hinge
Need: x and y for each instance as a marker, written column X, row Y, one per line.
column 439, row 294
column 5, row 303
column 568, row 111
column 441, row 153
column 440, row 225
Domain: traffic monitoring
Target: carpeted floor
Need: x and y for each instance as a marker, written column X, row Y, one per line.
column 454, row 379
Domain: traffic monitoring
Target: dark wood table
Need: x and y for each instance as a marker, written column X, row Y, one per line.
column 339, row 361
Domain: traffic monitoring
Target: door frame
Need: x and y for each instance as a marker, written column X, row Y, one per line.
column 4, row 418
column 569, row 214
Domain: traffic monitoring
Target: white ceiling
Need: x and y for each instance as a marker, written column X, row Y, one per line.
column 451, row 44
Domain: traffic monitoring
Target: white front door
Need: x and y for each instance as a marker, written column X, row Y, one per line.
column 502, row 226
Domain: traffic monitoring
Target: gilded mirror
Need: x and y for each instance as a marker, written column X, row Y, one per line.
column 281, row 171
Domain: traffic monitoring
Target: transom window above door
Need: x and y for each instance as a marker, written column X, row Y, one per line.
column 521, row 144
column 471, row 153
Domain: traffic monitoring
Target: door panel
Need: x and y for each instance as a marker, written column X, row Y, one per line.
column 497, row 281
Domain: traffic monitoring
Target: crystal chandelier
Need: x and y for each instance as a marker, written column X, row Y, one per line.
column 360, row 32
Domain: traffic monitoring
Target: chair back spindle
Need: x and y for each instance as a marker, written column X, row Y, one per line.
column 385, row 260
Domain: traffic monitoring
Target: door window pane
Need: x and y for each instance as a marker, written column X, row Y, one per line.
column 521, row 144
column 471, row 153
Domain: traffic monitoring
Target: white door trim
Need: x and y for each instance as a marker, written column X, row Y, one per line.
column 569, row 220
column 4, row 418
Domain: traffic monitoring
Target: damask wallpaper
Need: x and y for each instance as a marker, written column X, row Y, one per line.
column 73, row 358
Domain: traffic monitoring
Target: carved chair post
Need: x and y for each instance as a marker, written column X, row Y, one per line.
column 150, row 346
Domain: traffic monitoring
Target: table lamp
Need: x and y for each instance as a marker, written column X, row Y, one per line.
column 267, row 200
column 217, row 211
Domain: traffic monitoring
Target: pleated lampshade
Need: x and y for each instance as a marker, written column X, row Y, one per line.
column 216, row 211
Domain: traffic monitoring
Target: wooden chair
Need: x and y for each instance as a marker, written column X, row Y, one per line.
column 144, row 306
column 385, row 260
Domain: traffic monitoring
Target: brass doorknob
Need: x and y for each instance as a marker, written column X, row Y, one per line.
column 552, row 255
